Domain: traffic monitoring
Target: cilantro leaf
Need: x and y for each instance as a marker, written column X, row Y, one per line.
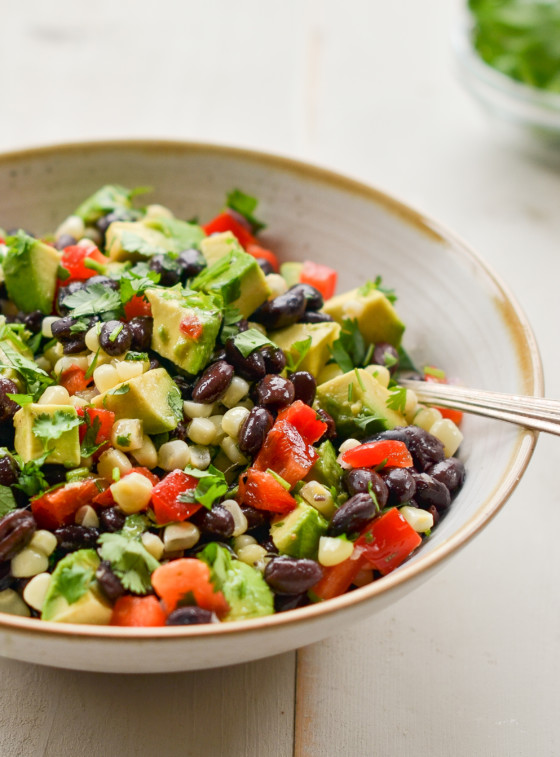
column 48, row 428
column 7, row 500
column 73, row 581
column 30, row 478
column 350, row 350
column 89, row 446
column 300, row 348
column 397, row 399
column 134, row 243
column 230, row 322
column 175, row 402
column 211, row 487
column 94, row 299
column 130, row 561
column 251, row 340
column 21, row 399
column 135, row 282
column 36, row 378
column 245, row 205
column 371, row 286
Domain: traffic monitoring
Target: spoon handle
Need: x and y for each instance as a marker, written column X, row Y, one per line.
column 535, row 413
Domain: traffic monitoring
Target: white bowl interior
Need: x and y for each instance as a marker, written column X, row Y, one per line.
column 458, row 317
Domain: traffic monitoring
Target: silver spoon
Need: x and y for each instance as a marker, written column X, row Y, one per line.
column 531, row 412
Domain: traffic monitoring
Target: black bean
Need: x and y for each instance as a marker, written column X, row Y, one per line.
column 33, row 321
column 450, row 472
column 436, row 515
column 180, row 431
column 265, row 266
column 154, row 363
column 216, row 522
column 71, row 538
column 400, row 484
column 16, row 530
column 115, row 338
column 385, row 354
column 74, row 345
column 107, row 282
column 424, row 448
column 268, row 544
column 64, row 292
column 430, row 491
column 290, row 575
column 281, row 311
column 15, row 229
column 191, row 262
column 169, row 273
column 313, row 297
column 359, row 481
column 330, row 433
column 305, row 386
column 282, row 603
column 310, row 316
column 255, row 518
column 65, row 240
column 185, row 386
column 112, row 519
column 274, row 392
column 213, row 382
column 218, row 354
column 54, row 473
column 141, row 328
column 190, row 616
column 8, row 470
column 274, row 359
column 353, row 515
column 254, row 429
column 8, row 408
column 251, row 368
column 109, row 582
column 62, row 328
column 119, row 214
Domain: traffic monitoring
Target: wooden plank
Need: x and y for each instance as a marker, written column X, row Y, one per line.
column 242, row 711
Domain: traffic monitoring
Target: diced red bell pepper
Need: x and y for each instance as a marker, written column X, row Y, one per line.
column 73, row 260
column 337, row 579
column 137, row 306
column 165, row 495
column 138, row 611
column 285, row 452
column 261, row 490
column 191, row 326
column 388, row 541
column 106, row 420
column 305, row 419
column 73, row 379
column 319, row 276
column 226, row 222
column 390, row 452
column 58, row 507
column 261, row 252
column 104, row 499
column 186, row 576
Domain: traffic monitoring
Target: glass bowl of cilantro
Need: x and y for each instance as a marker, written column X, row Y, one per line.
column 509, row 59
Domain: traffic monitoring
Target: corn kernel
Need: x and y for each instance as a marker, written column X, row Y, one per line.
column 235, row 392
column 174, row 454
column 276, row 284
column 254, row 555
column 239, row 519
column 425, row 417
column 43, row 541
column 36, row 590
column 12, row 604
column 201, row 431
column 146, row 454
column 197, row 409
column 55, row 395
column 127, row 434
column 46, row 325
column 411, row 404
column 233, row 420
column 105, row 377
column 242, row 541
column 419, row 520
column 319, row 497
column 129, row 369
column 380, row 373
column 200, row 457
column 28, row 563
column 78, row 401
column 158, row 211
column 92, row 337
column 333, row 550
column 86, row 516
column 153, row 544
column 232, row 450
column 178, row 536
column 220, row 433
column 73, row 226
column 111, row 459
column 448, row 434
column 132, row 493
column 66, row 362
column 348, row 444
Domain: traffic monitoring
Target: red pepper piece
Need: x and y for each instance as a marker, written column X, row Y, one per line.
column 226, row 222
column 285, row 452
column 261, row 490
column 165, row 495
column 319, row 276
column 138, row 305
column 73, row 260
column 137, row 611
column 73, row 379
column 339, row 578
column 305, row 419
column 391, row 453
column 58, row 507
column 388, row 541
column 187, row 575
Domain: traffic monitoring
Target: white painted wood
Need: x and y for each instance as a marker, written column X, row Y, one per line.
column 468, row 664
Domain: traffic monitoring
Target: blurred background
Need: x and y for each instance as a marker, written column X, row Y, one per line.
column 466, row 665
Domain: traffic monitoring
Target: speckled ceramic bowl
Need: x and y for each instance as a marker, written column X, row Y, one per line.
column 458, row 315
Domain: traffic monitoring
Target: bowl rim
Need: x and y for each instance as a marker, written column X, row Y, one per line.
column 513, row 316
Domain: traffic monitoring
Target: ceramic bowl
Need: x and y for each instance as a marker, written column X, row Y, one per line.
column 458, row 315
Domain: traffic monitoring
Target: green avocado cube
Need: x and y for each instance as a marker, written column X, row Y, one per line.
column 216, row 246
column 138, row 240
column 65, row 449
column 186, row 326
column 322, row 337
column 30, row 273
column 359, row 404
column 297, row 534
column 105, row 200
column 326, row 469
column 73, row 595
column 153, row 397
column 377, row 318
column 238, row 278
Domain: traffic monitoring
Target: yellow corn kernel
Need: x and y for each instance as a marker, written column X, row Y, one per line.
column 111, row 459
column 132, row 493
column 146, row 454
column 174, row 454
column 179, row 536
column 333, row 550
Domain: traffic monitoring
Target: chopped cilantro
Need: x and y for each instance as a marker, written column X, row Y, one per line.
column 211, row 487
column 397, row 399
column 251, row 340
column 377, row 285
column 351, row 391
column 94, row 299
column 89, row 444
column 31, row 480
column 123, row 441
column 136, row 280
column 349, row 350
column 115, row 332
column 134, row 243
column 300, row 349
column 119, row 389
column 7, row 500
column 48, row 428
column 175, row 402
column 230, row 322
column 36, row 379
column 21, row 399
column 93, row 364
column 131, row 355
column 245, row 205
column 73, row 581
column 129, row 560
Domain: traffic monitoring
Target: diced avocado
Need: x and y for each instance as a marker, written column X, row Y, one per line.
column 322, row 336
column 297, row 534
column 186, row 325
column 216, row 246
column 358, row 404
column 238, row 278
column 30, row 272
column 138, row 240
column 73, row 595
column 326, row 470
column 65, row 449
column 377, row 318
column 152, row 397
column 291, row 272
column 244, row 588
column 105, row 200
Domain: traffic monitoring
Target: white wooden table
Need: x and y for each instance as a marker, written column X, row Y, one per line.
column 468, row 664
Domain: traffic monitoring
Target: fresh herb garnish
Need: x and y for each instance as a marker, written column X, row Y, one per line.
column 36, row 379
column 21, row 399
column 94, row 299
column 230, row 322
column 349, row 350
column 397, row 399
column 297, row 352
column 211, row 486
column 251, row 340
column 49, row 428
column 377, row 285
column 89, row 445
column 136, row 280
column 129, row 559
column 7, row 500
column 31, row 479
column 73, row 581
column 245, row 205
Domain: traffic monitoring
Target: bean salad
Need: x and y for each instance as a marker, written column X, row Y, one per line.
column 193, row 432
